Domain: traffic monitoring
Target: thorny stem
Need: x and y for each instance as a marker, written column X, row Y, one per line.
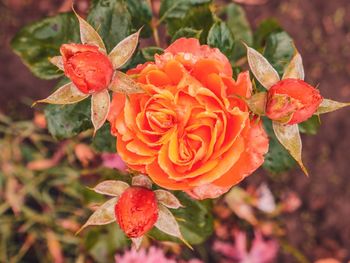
column 154, row 25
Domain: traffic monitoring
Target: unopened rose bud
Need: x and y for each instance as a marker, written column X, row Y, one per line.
column 292, row 101
column 88, row 68
column 136, row 211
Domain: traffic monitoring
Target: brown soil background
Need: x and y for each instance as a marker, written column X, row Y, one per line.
column 321, row 29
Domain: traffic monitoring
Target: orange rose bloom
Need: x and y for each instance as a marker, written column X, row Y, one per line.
column 190, row 130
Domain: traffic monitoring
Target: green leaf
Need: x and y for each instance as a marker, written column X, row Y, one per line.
column 265, row 28
column 195, row 220
column 141, row 16
column 310, row 126
column 277, row 159
column 111, row 19
column 149, row 52
column 66, row 121
column 37, row 42
column 221, row 37
column 239, row 25
column 103, row 140
column 279, row 50
column 179, row 14
column 186, row 32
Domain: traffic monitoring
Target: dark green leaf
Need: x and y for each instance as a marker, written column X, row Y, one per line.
column 265, row 28
column 111, row 19
column 221, row 37
column 310, row 126
column 66, row 121
column 149, row 52
column 141, row 15
column 279, row 50
column 103, row 140
column 187, row 32
column 277, row 159
column 179, row 14
column 39, row 41
column 195, row 220
column 240, row 28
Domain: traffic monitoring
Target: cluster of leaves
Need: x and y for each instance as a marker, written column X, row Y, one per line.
column 224, row 27
column 44, row 201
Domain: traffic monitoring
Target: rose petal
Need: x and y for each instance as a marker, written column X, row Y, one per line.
column 88, row 34
column 295, row 69
column 261, row 68
column 67, row 94
column 103, row 215
column 207, row 191
column 289, row 137
column 124, row 50
column 330, row 105
column 100, row 102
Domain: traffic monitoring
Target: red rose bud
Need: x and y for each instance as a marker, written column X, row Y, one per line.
column 88, row 68
column 292, row 101
column 136, row 211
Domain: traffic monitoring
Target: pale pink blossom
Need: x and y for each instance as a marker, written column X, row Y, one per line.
column 113, row 161
column 261, row 251
column 153, row 255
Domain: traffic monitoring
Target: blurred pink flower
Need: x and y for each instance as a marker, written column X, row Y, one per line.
column 153, row 255
column 113, row 161
column 262, row 251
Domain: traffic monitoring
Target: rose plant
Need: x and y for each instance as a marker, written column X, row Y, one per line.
column 188, row 118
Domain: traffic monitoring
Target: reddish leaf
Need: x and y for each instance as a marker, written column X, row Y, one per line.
column 330, row 105
column 168, row 224
column 100, row 103
column 57, row 61
column 111, row 187
column 67, row 94
column 88, row 34
column 103, row 215
column 124, row 84
column 289, row 137
column 142, row 180
column 295, row 69
column 123, row 51
column 137, row 242
column 261, row 68
column 167, row 199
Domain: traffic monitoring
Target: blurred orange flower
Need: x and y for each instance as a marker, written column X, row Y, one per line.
column 190, row 130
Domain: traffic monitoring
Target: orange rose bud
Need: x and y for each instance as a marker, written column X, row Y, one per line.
column 89, row 69
column 292, row 101
column 136, row 211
